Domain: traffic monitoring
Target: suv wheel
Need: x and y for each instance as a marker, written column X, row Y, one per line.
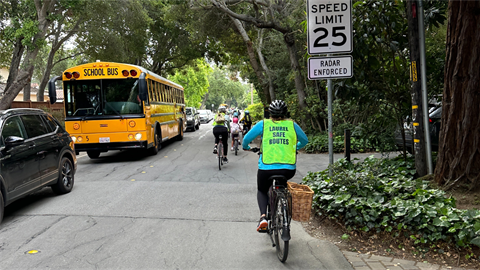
column 65, row 177
column 93, row 154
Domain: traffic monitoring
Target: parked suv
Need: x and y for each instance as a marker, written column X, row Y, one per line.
column 434, row 119
column 35, row 151
column 193, row 118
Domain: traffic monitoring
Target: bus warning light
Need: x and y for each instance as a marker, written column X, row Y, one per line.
column 132, row 124
column 76, row 126
column 125, row 73
column 76, row 75
column 68, row 75
column 133, row 72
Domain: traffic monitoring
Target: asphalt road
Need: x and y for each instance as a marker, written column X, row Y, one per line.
column 175, row 210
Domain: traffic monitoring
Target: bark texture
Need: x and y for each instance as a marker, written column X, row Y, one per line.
column 459, row 146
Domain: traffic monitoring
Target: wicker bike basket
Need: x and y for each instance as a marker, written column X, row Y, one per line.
column 302, row 196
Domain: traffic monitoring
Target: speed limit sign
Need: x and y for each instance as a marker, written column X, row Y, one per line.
column 329, row 26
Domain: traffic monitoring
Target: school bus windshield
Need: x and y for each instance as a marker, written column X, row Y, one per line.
column 102, row 97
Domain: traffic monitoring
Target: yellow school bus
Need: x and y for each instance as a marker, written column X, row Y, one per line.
column 114, row 106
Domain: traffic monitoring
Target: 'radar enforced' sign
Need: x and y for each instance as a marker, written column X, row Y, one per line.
column 330, row 67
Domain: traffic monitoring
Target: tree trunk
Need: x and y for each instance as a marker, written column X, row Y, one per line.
column 16, row 58
column 458, row 160
column 253, row 59
column 24, row 75
column 264, row 65
column 203, row 106
column 27, row 90
column 56, row 45
column 417, row 106
column 299, row 86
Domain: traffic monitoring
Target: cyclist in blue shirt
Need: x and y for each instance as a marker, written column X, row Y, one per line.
column 281, row 138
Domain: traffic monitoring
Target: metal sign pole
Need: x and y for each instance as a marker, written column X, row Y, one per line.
column 330, row 125
column 423, row 70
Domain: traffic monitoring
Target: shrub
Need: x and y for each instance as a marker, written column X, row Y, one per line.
column 381, row 195
column 256, row 111
column 319, row 143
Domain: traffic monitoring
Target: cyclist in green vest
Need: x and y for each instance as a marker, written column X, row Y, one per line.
column 281, row 138
column 221, row 128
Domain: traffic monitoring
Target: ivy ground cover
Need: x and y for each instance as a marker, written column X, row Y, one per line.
column 380, row 195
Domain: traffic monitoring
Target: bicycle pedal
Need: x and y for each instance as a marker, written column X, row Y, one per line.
column 263, row 230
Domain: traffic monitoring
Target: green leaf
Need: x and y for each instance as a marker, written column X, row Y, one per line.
column 476, row 241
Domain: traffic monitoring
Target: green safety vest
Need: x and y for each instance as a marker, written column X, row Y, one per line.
column 279, row 142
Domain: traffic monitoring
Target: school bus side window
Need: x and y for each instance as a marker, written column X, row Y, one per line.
column 155, row 89
column 162, row 92
column 167, row 91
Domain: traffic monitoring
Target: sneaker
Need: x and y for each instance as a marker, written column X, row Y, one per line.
column 262, row 224
column 231, row 149
column 225, row 160
column 239, row 143
column 215, row 150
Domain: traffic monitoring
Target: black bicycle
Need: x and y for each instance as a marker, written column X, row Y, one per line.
column 279, row 214
column 220, row 153
column 235, row 144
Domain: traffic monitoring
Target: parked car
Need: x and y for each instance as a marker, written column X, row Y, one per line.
column 435, row 115
column 35, row 151
column 204, row 116
column 193, row 118
column 211, row 115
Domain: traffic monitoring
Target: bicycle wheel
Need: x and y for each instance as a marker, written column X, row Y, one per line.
column 281, row 225
column 220, row 156
column 236, row 147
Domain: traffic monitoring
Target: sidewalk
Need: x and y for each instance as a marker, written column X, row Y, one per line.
column 373, row 262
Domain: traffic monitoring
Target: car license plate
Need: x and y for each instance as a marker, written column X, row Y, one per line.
column 104, row 139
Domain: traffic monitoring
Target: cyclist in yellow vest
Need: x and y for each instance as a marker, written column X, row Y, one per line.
column 221, row 128
column 281, row 138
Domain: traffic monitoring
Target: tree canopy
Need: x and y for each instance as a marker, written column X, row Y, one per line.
column 212, row 46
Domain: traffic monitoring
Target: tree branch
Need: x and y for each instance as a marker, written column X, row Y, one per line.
column 256, row 21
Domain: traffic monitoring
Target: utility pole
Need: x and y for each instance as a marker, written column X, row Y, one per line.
column 423, row 71
column 416, row 76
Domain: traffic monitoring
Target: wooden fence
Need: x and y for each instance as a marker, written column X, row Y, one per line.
column 38, row 104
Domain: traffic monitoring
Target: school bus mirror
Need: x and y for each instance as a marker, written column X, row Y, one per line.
column 52, row 91
column 142, row 87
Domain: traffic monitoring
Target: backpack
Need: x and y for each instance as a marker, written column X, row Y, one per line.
column 220, row 118
column 248, row 119
column 235, row 128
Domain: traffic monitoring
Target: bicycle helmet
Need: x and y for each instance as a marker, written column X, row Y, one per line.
column 222, row 109
column 278, row 108
column 235, row 120
column 247, row 112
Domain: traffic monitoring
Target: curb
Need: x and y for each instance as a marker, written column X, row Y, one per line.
column 373, row 262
